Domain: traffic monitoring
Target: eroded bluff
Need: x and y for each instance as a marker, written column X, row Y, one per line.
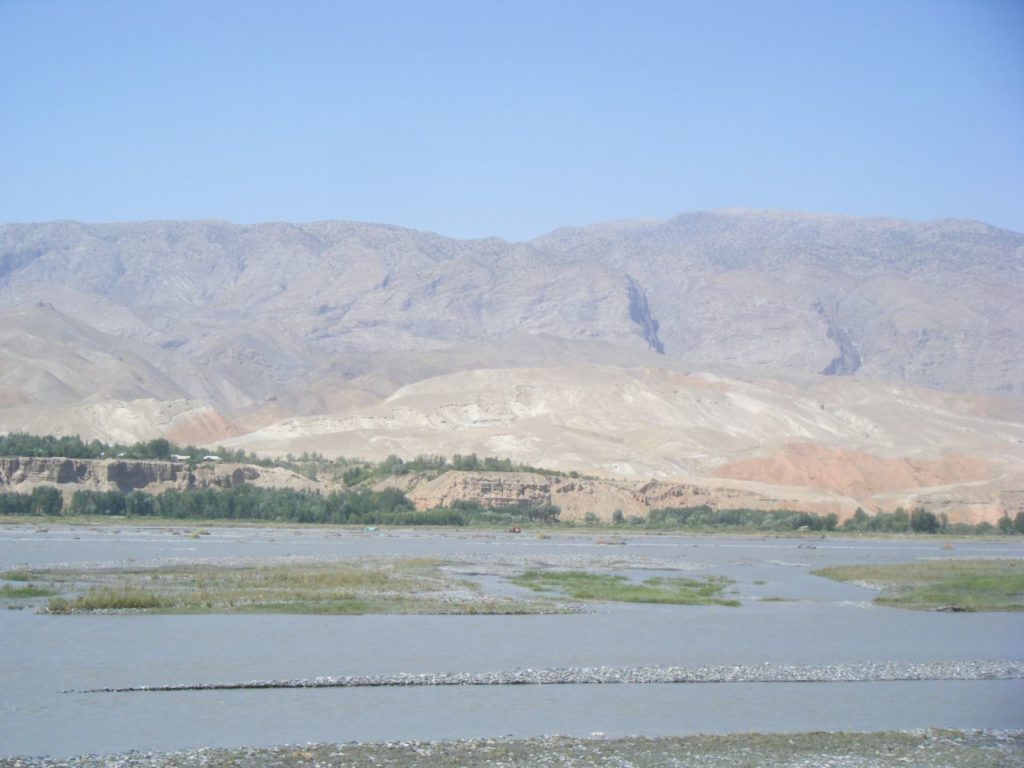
column 22, row 474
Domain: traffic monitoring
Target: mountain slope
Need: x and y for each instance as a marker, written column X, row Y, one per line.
column 866, row 361
column 934, row 303
column 838, row 443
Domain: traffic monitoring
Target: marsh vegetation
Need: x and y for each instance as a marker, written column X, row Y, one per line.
column 956, row 585
column 9, row 591
column 581, row 585
column 404, row 586
column 392, row 586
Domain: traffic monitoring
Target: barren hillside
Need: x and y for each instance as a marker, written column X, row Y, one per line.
column 863, row 358
column 270, row 306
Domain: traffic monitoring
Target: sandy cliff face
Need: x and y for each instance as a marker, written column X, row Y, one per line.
column 21, row 475
column 489, row 489
column 29, row 472
column 578, row 497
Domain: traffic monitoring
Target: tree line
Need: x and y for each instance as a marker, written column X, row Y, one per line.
column 919, row 520
column 73, row 447
column 703, row 516
column 351, row 472
column 249, row 503
column 392, row 507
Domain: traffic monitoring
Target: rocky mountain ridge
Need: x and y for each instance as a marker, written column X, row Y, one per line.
column 259, row 309
column 860, row 360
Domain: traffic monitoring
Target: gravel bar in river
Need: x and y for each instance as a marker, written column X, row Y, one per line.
column 764, row 673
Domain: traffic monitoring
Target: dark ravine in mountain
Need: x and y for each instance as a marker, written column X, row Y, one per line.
column 640, row 313
column 848, row 360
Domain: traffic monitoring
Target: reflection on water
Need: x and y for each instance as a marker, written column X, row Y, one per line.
column 820, row 622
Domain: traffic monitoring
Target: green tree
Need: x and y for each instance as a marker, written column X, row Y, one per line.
column 392, row 465
column 139, row 504
column 15, row 504
column 46, row 500
column 900, row 520
column 923, row 521
column 858, row 521
column 157, row 449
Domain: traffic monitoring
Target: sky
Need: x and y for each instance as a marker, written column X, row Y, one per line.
column 509, row 118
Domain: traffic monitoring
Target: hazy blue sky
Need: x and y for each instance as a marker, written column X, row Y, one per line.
column 509, row 118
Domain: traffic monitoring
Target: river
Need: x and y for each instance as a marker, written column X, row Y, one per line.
column 816, row 622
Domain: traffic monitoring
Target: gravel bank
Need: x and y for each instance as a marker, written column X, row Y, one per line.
column 764, row 673
column 959, row 749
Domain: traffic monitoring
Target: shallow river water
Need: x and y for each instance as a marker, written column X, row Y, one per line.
column 818, row 622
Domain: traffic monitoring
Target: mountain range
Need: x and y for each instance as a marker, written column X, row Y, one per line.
column 877, row 360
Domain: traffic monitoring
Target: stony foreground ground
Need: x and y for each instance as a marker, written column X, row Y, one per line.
column 977, row 749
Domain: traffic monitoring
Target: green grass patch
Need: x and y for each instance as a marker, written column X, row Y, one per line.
column 412, row 585
column 111, row 599
column 953, row 585
column 29, row 590
column 581, row 585
column 18, row 575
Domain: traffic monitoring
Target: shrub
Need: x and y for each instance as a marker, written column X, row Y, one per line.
column 923, row 521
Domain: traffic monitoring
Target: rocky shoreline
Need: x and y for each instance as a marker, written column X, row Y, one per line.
column 764, row 673
column 964, row 749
